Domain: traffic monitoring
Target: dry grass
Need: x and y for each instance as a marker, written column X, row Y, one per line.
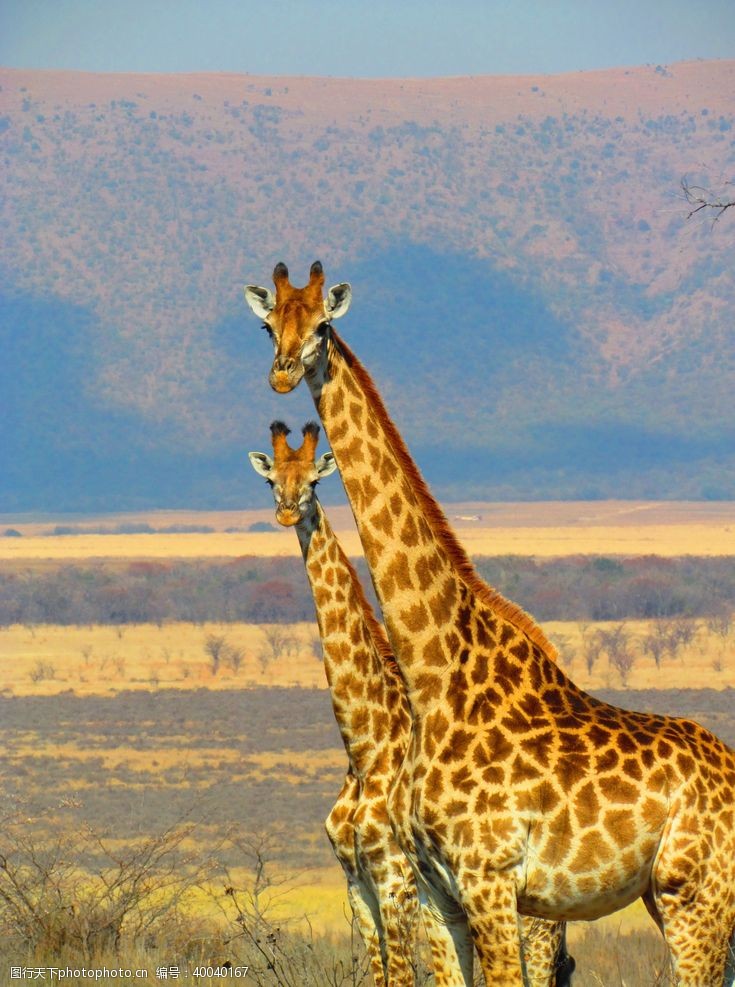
column 706, row 662
column 104, row 659
column 48, row 659
column 542, row 529
column 664, row 540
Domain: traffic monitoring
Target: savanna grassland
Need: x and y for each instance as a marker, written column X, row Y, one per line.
column 172, row 775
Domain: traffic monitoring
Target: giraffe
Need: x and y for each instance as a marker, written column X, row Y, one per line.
column 520, row 793
column 369, row 705
column 373, row 716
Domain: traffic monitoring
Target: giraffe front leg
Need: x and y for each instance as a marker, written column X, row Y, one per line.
column 340, row 826
column 544, row 947
column 448, row 935
column 366, row 925
column 398, row 903
column 495, row 926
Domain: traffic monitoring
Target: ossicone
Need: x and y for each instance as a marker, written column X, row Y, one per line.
column 311, row 429
column 280, row 272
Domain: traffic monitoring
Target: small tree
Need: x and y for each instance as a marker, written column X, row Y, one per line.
column 234, row 657
column 592, row 645
column 215, row 646
column 681, row 632
column 655, row 643
column 276, row 642
column 42, row 670
column 623, row 661
column 720, row 624
column 277, row 956
column 616, row 644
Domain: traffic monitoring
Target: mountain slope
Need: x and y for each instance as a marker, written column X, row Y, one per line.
column 529, row 295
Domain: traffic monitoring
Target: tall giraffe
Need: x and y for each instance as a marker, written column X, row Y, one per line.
column 373, row 717
column 369, row 706
column 519, row 792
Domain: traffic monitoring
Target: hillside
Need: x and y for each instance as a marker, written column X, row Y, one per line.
column 528, row 293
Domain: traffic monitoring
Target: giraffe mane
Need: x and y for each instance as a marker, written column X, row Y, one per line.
column 435, row 515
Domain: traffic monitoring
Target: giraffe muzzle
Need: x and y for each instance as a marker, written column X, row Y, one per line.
column 288, row 515
column 284, row 380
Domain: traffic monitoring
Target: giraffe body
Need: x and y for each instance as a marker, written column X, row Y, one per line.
column 519, row 792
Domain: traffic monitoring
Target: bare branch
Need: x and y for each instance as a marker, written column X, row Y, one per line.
column 704, row 198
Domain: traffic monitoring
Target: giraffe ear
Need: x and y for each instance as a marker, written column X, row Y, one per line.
column 326, row 465
column 338, row 300
column 260, row 300
column 261, row 463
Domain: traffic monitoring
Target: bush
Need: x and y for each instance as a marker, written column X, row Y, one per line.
column 267, row 591
column 68, row 892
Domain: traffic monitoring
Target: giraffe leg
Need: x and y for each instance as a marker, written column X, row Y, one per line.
column 340, row 826
column 699, row 935
column 398, row 905
column 495, row 926
column 448, row 934
column 544, row 945
column 729, row 980
column 368, row 929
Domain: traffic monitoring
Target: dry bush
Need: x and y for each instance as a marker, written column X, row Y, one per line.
column 591, row 644
column 67, row 891
column 682, row 632
column 277, row 640
column 656, row 642
column 666, row 636
column 615, row 643
column 720, row 623
column 41, row 671
column 234, row 657
column 275, row 953
column 215, row 646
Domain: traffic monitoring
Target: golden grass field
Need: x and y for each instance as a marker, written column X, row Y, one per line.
column 541, row 529
column 102, row 660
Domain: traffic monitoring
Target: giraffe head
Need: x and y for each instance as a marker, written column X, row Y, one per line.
column 293, row 473
column 297, row 320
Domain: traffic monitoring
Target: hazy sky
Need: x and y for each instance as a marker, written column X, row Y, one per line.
column 361, row 37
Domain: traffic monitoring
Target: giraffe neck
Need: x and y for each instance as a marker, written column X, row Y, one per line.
column 362, row 676
column 427, row 587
